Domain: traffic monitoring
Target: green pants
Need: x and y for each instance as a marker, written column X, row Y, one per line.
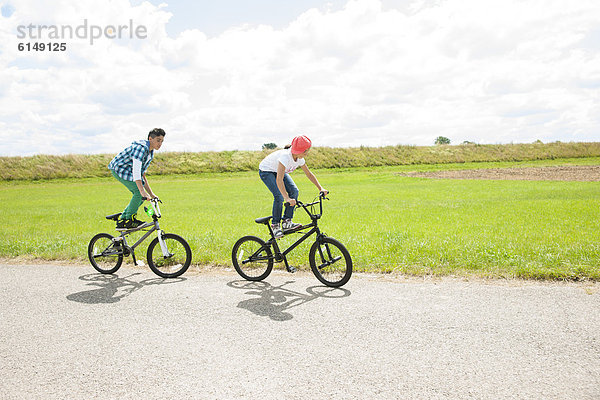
column 136, row 199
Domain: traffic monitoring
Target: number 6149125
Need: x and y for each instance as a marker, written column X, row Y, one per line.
column 42, row 46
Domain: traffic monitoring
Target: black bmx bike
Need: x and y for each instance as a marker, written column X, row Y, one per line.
column 330, row 261
column 168, row 255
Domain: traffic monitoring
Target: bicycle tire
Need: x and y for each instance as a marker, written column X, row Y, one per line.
column 335, row 264
column 177, row 263
column 252, row 271
column 104, row 256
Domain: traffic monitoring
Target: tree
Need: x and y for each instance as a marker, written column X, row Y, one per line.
column 442, row 140
column 269, row 146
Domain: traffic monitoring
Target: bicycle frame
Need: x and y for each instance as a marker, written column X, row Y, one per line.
column 281, row 256
column 154, row 227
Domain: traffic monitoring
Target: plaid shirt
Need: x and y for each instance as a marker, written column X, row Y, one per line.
column 122, row 164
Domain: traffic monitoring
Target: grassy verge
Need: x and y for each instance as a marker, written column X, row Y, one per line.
column 415, row 226
column 86, row 166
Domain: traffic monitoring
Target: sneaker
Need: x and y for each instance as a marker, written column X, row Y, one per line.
column 289, row 225
column 124, row 224
column 121, row 223
column 277, row 232
column 136, row 221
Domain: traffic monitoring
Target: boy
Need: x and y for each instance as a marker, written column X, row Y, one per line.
column 129, row 167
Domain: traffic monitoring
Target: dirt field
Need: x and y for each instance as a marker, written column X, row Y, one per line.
column 589, row 173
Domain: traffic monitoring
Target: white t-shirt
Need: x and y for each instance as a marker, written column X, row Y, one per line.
column 271, row 162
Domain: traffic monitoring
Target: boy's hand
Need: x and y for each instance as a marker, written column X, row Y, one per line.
column 291, row 202
column 324, row 191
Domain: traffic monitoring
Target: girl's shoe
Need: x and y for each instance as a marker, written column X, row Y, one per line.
column 277, row 232
column 289, row 225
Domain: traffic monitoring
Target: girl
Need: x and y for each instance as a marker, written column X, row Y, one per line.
column 274, row 171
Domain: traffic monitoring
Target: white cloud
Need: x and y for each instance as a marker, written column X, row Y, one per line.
column 485, row 71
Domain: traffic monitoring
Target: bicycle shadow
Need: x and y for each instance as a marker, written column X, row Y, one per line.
column 112, row 288
column 274, row 301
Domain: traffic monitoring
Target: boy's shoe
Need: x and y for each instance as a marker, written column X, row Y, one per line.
column 121, row 224
column 124, row 224
column 136, row 221
column 289, row 225
column 277, row 232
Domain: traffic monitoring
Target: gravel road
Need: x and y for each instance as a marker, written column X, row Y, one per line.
column 67, row 332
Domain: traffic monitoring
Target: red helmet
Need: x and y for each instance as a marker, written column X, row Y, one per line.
column 300, row 144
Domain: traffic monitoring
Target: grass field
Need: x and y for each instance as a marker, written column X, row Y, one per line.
column 390, row 223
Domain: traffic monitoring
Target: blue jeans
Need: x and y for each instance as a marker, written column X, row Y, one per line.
column 270, row 179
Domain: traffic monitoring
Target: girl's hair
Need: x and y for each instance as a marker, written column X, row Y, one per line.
column 156, row 132
column 287, row 146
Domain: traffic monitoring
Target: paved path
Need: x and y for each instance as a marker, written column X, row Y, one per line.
column 69, row 333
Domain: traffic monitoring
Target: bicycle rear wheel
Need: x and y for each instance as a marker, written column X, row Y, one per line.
column 330, row 261
column 252, row 258
column 104, row 254
column 174, row 264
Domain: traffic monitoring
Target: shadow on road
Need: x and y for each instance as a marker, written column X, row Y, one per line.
column 112, row 288
column 275, row 301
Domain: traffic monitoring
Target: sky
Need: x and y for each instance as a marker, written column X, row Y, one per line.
column 235, row 74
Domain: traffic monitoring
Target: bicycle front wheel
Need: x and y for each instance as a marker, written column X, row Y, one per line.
column 330, row 261
column 105, row 255
column 252, row 258
column 177, row 259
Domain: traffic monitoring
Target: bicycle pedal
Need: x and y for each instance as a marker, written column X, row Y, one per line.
column 291, row 269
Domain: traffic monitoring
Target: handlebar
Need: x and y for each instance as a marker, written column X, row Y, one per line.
column 321, row 196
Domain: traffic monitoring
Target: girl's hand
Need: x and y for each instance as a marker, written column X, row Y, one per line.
column 324, row 191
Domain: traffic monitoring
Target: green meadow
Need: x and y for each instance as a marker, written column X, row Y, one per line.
column 388, row 222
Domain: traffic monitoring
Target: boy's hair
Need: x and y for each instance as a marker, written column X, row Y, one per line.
column 156, row 132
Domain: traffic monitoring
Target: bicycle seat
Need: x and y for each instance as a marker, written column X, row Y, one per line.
column 114, row 217
column 263, row 220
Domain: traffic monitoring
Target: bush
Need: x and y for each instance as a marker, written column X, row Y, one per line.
column 269, row 146
column 442, row 140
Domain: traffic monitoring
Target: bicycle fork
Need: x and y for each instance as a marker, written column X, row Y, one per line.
column 163, row 245
column 326, row 259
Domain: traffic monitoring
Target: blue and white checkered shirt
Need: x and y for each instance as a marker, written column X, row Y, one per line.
column 122, row 164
